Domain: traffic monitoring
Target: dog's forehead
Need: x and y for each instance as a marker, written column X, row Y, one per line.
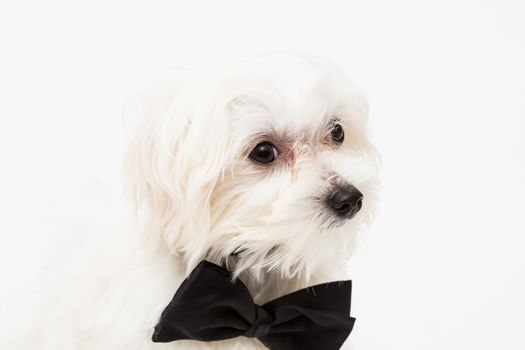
column 289, row 96
column 305, row 112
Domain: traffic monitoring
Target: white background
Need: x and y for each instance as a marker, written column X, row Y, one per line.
column 443, row 267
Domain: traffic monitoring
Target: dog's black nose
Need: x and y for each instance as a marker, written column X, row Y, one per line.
column 345, row 201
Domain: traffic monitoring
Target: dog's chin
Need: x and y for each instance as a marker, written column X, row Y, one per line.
column 326, row 247
column 300, row 249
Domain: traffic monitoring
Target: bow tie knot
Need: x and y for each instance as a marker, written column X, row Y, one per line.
column 210, row 306
column 261, row 325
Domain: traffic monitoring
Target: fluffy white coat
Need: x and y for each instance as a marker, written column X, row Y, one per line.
column 198, row 195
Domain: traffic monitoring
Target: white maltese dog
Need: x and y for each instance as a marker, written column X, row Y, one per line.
column 261, row 163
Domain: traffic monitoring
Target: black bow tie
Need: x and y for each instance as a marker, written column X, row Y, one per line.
column 210, row 306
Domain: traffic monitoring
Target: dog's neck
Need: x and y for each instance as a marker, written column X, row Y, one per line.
column 268, row 285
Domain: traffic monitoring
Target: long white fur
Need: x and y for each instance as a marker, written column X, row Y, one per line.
column 198, row 196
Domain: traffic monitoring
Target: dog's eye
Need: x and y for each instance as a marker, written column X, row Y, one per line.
column 337, row 132
column 264, row 153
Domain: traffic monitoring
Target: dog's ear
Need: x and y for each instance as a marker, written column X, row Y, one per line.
column 178, row 153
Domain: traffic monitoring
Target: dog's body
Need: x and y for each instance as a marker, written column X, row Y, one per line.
column 261, row 163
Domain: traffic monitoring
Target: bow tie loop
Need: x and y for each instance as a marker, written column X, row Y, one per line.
column 261, row 325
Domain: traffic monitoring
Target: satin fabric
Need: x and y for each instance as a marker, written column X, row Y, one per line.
column 209, row 305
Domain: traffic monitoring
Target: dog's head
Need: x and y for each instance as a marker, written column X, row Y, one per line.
column 262, row 162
